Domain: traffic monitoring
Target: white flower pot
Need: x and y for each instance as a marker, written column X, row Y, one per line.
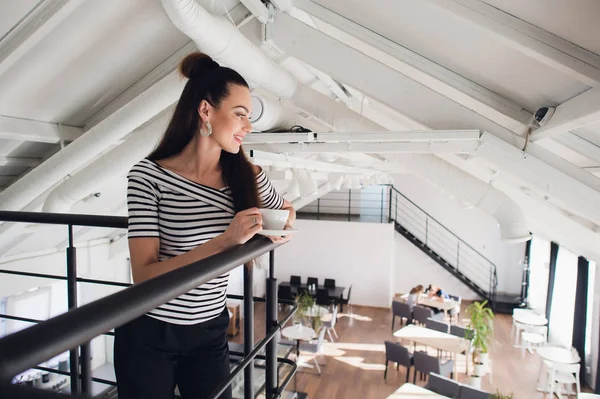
column 479, row 369
column 475, row 382
column 484, row 358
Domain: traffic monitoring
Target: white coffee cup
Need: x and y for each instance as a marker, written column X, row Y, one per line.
column 274, row 219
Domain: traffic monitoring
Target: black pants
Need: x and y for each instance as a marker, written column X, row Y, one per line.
column 152, row 356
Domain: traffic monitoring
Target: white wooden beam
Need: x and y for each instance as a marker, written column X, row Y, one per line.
column 401, row 136
column 528, row 39
column 579, row 111
column 580, row 145
column 382, row 83
column 258, row 9
column 455, row 147
column 448, row 83
column 18, row 161
column 42, row 132
column 564, row 184
column 33, row 29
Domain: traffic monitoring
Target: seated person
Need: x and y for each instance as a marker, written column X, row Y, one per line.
column 437, row 293
column 413, row 296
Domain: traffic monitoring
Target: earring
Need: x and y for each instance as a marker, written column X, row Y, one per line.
column 208, row 130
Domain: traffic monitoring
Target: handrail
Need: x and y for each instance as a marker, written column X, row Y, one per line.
column 73, row 219
column 442, row 225
column 68, row 330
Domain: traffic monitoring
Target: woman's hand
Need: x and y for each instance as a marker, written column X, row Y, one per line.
column 243, row 227
column 282, row 238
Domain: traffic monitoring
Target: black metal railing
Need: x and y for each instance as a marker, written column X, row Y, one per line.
column 358, row 205
column 28, row 348
column 437, row 237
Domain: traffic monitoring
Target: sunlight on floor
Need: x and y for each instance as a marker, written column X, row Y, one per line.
column 358, row 362
column 355, row 346
column 354, row 316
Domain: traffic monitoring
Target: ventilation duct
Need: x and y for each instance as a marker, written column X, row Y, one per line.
column 95, row 140
column 215, row 36
column 453, row 182
column 116, row 162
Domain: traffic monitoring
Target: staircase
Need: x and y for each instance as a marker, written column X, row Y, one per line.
column 443, row 246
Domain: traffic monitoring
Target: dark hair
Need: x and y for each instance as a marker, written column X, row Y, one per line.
column 208, row 81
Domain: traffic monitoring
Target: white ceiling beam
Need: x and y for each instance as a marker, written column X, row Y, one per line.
column 455, row 147
column 42, row 132
column 264, row 158
column 258, row 9
column 528, row 39
column 580, row 145
column 401, row 136
column 560, row 182
column 33, row 29
column 382, row 83
column 446, row 82
column 579, row 111
column 18, row 161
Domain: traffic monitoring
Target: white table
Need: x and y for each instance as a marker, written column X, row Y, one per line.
column 435, row 339
column 531, row 319
column 299, row 333
column 554, row 354
column 445, row 305
column 410, row 391
column 315, row 311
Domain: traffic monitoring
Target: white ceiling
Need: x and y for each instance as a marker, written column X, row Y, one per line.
column 403, row 64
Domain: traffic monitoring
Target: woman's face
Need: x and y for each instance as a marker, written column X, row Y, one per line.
column 230, row 121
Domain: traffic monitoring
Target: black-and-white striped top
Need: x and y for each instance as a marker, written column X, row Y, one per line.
column 184, row 214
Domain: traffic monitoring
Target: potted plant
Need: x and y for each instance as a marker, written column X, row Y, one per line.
column 481, row 325
column 305, row 302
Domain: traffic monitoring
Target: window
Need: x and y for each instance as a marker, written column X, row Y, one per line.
column 589, row 322
column 563, row 299
column 538, row 278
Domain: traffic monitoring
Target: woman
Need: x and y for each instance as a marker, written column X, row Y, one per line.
column 414, row 295
column 194, row 196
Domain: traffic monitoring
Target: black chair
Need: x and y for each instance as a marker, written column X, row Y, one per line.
column 394, row 352
column 346, row 301
column 471, row 393
column 295, row 280
column 401, row 310
column 285, row 292
column 436, row 325
column 421, row 314
column 460, row 332
column 329, row 283
column 426, row 364
column 312, row 280
column 322, row 297
column 443, row 386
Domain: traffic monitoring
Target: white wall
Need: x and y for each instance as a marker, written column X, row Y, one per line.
column 413, row 267
column 357, row 254
column 95, row 262
column 474, row 226
column 595, row 324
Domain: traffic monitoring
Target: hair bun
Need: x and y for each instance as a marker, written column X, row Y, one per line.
column 197, row 64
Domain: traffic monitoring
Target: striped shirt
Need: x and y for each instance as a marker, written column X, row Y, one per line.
column 184, row 214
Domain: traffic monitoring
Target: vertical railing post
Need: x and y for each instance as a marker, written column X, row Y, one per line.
column 426, row 231
column 349, row 202
column 457, row 254
column 72, row 304
column 248, row 331
column 396, row 209
column 390, row 205
column 318, row 208
column 271, row 320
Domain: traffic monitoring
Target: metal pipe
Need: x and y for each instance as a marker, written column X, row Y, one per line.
column 254, row 353
column 248, row 331
column 271, row 322
column 117, row 222
column 72, row 304
column 68, row 330
column 86, row 369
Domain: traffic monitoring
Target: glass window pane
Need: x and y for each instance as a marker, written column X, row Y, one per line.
column 538, row 278
column 589, row 323
column 563, row 299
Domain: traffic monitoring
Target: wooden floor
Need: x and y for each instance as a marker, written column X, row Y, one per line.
column 354, row 364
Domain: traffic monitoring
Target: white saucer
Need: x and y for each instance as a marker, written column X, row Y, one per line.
column 265, row 232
